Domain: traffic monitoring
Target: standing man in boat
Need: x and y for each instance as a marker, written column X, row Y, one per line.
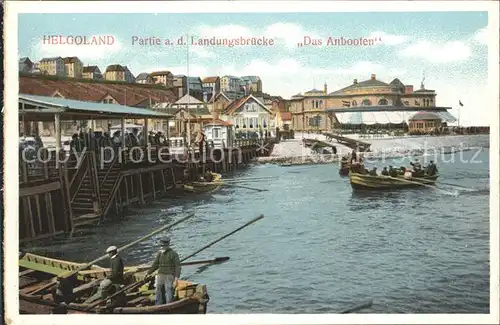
column 168, row 264
column 432, row 169
column 393, row 172
column 200, row 140
column 116, row 266
column 385, row 172
column 353, row 156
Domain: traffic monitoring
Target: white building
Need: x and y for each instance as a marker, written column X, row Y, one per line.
column 249, row 115
column 219, row 133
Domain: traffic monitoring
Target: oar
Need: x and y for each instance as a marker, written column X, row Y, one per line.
column 213, row 261
column 449, row 184
column 364, row 305
column 223, row 237
column 247, row 187
column 86, row 266
column 247, row 179
column 150, row 277
column 418, row 183
column 409, row 181
column 146, row 267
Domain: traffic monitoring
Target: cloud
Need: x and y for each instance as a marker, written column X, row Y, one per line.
column 482, row 36
column 224, row 31
column 447, row 52
column 201, row 52
column 288, row 33
column 389, row 39
column 43, row 49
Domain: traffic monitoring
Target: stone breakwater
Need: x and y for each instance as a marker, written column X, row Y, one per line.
column 300, row 160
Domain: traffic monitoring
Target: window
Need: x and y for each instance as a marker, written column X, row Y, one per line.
column 366, row 102
column 250, row 107
column 354, row 103
column 407, row 102
column 215, row 133
column 315, row 121
column 383, row 101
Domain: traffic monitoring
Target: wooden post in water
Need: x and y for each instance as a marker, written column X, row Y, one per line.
column 140, row 189
column 153, row 187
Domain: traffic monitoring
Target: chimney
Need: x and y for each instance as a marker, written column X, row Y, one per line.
column 355, row 81
column 372, row 77
column 326, row 89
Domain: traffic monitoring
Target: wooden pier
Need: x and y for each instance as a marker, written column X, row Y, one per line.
column 59, row 193
column 358, row 145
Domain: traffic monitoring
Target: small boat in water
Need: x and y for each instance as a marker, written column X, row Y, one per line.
column 37, row 271
column 204, row 187
column 201, row 187
column 370, row 182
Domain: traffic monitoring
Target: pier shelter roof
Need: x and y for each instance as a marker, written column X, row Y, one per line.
column 386, row 108
column 40, row 108
column 387, row 114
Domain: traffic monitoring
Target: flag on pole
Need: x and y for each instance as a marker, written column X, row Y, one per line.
column 460, row 103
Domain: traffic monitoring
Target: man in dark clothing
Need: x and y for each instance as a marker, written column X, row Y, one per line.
column 208, row 176
column 63, row 292
column 385, row 172
column 431, row 169
column 168, row 264
column 353, row 156
column 393, row 172
column 116, row 265
column 373, row 172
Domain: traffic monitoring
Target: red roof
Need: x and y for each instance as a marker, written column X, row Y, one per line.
column 210, row 79
column 123, row 93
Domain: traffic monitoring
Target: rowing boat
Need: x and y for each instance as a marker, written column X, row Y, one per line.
column 201, row 187
column 35, row 271
column 369, row 182
column 204, row 187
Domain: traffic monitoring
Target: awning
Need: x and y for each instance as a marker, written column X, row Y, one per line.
column 373, row 117
column 385, row 117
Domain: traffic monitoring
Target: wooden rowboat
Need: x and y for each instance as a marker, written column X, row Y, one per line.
column 36, row 271
column 204, row 187
column 369, row 182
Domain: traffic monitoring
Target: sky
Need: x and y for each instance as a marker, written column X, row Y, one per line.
column 449, row 48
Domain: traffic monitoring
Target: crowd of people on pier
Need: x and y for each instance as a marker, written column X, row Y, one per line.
column 355, row 163
column 93, row 140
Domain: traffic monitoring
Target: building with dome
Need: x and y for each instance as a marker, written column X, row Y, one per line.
column 366, row 102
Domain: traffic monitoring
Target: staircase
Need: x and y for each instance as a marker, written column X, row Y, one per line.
column 83, row 201
column 108, row 175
